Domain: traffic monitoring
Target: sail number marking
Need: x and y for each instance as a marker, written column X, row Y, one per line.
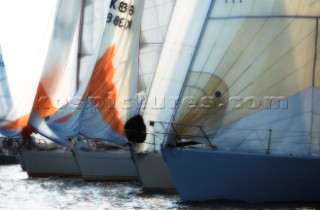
column 122, row 7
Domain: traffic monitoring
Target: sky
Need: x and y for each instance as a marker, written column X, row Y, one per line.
column 25, row 28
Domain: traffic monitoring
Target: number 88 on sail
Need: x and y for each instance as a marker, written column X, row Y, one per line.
column 124, row 12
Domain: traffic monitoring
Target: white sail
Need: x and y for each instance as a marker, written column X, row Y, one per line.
column 106, row 97
column 58, row 79
column 24, row 39
column 249, row 106
column 155, row 21
column 253, row 82
column 176, row 54
column 93, row 21
column 5, row 100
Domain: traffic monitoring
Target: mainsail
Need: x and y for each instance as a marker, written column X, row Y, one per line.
column 24, row 40
column 105, row 99
column 252, row 85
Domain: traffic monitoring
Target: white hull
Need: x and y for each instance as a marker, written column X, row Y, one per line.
column 114, row 165
column 46, row 163
column 153, row 171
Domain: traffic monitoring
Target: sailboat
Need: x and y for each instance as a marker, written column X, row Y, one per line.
column 113, row 78
column 19, row 79
column 104, row 100
column 57, row 84
column 152, row 170
column 7, row 149
column 110, row 159
column 246, row 125
column 18, row 87
column 172, row 56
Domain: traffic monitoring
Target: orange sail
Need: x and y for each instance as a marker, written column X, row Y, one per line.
column 21, row 65
column 106, row 97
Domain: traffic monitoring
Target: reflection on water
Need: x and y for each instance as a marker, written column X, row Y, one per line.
column 17, row 191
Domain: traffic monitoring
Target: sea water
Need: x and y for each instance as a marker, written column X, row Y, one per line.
column 18, row 191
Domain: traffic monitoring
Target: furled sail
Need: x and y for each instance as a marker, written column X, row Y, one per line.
column 106, row 96
column 253, row 82
column 24, row 39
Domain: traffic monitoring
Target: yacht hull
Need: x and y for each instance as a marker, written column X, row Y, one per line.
column 106, row 165
column 153, row 171
column 201, row 175
column 44, row 163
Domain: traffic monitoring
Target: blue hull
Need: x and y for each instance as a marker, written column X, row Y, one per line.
column 201, row 175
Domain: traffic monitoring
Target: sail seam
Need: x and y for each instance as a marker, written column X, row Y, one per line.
column 315, row 52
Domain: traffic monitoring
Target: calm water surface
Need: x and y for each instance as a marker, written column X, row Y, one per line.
column 17, row 191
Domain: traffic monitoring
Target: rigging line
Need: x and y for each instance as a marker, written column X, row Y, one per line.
column 258, row 56
column 315, row 53
column 215, row 44
column 268, row 88
column 157, row 27
column 277, row 61
column 314, row 79
column 140, row 76
column 159, row 5
column 270, row 67
column 279, row 82
column 226, row 53
column 239, row 56
column 205, row 118
column 150, row 43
